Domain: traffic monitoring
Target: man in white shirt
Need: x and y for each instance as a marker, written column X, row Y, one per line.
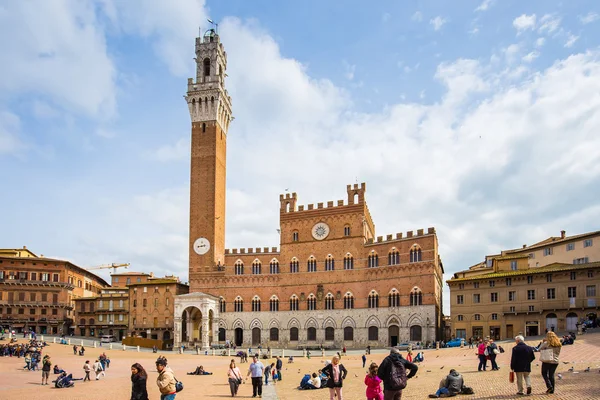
column 256, row 369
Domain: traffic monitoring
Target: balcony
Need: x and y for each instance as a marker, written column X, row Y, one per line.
column 553, row 305
column 26, row 282
column 27, row 304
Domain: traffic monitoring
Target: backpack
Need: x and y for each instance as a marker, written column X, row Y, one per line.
column 398, row 378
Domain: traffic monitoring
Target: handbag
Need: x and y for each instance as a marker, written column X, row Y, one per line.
column 496, row 351
column 546, row 355
column 511, row 377
column 178, row 386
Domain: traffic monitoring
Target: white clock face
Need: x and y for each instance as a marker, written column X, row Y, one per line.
column 201, row 246
column 320, row 231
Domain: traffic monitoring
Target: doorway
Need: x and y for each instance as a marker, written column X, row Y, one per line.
column 551, row 322
column 415, row 333
column 532, row 330
column 572, row 322
column 495, row 332
column 509, row 332
column 239, row 336
column 394, row 334
column 477, row 332
column 255, row 336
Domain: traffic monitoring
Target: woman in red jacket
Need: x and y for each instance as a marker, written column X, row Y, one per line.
column 373, row 383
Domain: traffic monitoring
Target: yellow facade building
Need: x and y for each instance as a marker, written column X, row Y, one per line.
column 552, row 284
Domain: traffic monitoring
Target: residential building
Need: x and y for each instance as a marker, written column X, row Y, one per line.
column 37, row 293
column 551, row 285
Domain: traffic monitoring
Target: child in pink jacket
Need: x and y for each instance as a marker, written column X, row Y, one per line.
column 373, row 383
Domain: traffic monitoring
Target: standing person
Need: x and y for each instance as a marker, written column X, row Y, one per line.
column 139, row 378
column 520, row 363
column 166, row 380
column 74, row 350
column 471, row 342
column 46, row 366
column 98, row 369
column 336, row 373
column 552, row 346
column 392, row 372
column 268, row 372
column 481, row 350
column 373, row 383
column 234, row 377
column 87, row 368
column 364, row 359
column 492, row 353
column 256, row 369
column 278, row 367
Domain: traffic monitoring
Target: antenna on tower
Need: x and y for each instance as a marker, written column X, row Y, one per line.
column 215, row 24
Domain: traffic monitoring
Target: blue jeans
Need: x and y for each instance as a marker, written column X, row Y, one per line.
column 482, row 362
column 442, row 391
column 167, row 396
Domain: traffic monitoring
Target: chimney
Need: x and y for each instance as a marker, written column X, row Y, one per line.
column 562, row 234
column 524, row 245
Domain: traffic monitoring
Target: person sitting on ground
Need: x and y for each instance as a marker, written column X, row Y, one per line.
column 58, row 370
column 291, row 359
column 199, row 371
column 451, row 386
column 419, row 357
column 64, row 381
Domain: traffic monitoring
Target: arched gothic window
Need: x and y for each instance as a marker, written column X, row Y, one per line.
column 348, row 301
column 256, row 303
column 348, row 261
column 274, row 304
column 329, row 302
column 373, row 260
column 394, row 298
column 294, row 303
column 256, row 267
column 239, row 267
column 347, row 230
column 373, row 300
column 222, row 305
column 206, row 67
column 415, row 255
column 294, row 265
column 311, row 302
column 329, row 263
column 274, row 267
column 394, row 257
column 416, row 297
column 312, row 265
column 238, row 304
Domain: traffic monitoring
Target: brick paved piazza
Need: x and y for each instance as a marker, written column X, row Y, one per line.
column 16, row 383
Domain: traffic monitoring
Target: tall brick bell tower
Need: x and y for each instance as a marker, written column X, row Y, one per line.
column 210, row 111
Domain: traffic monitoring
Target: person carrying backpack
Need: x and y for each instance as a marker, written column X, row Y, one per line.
column 392, row 372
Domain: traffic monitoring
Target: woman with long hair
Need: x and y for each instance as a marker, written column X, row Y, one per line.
column 139, row 378
column 336, row 373
column 373, row 383
column 234, row 376
column 549, row 352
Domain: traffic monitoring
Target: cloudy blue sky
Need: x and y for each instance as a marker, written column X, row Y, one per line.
column 480, row 118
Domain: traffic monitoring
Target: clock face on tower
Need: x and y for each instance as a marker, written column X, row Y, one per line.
column 320, row 231
column 201, row 246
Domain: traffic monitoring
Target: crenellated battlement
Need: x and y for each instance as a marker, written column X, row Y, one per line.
column 356, row 196
column 401, row 236
column 252, row 250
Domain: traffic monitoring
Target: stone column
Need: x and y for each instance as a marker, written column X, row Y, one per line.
column 204, row 327
column 190, row 331
column 177, row 332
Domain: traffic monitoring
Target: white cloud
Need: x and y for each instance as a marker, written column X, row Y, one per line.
column 105, row 133
column 43, row 110
column 474, row 31
column 529, row 57
column 548, row 24
column 168, row 25
column 417, row 16
column 57, row 49
column 571, row 39
column 512, row 51
column 178, row 151
column 437, row 23
column 540, row 42
column 485, row 5
column 524, row 22
column 386, row 17
column 9, row 133
column 589, row 18
column 349, row 70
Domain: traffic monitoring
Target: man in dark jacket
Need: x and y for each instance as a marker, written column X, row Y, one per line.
column 520, row 363
column 451, row 386
column 385, row 373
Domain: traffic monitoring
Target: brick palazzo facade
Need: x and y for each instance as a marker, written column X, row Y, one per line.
column 38, row 293
column 331, row 282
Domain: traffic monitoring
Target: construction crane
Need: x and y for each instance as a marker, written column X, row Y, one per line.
column 114, row 266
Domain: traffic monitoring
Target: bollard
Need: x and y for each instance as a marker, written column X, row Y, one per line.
column 138, row 349
column 110, row 346
column 303, row 352
column 124, row 347
column 323, row 353
column 42, row 338
column 197, row 351
column 462, row 343
column 82, row 342
column 69, row 341
column 228, row 352
column 437, row 345
column 213, row 352
column 282, row 353
column 53, row 340
column 94, row 344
